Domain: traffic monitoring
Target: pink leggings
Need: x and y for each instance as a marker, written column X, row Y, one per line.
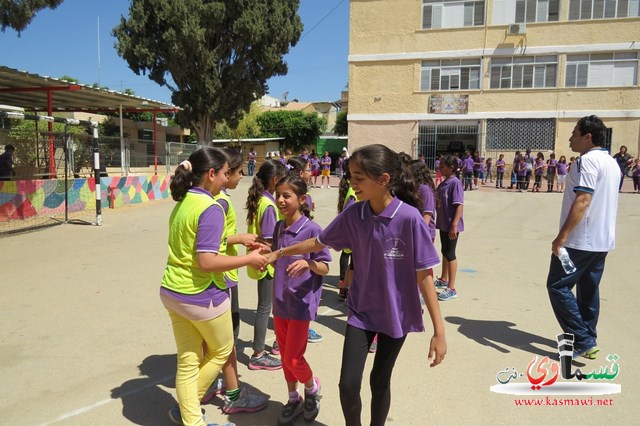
column 292, row 339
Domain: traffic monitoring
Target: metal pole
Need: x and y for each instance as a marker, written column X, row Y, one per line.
column 124, row 170
column 66, row 173
column 96, row 174
column 52, row 149
column 155, row 144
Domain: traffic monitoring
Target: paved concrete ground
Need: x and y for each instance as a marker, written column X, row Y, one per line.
column 85, row 340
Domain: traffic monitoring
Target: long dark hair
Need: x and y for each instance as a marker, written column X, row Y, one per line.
column 297, row 163
column 299, row 188
column 234, row 158
column 344, row 185
column 422, row 174
column 202, row 160
column 376, row 159
column 267, row 171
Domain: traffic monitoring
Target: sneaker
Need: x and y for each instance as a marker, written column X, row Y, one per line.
column 374, row 345
column 290, row 412
column 322, row 187
column 343, row 293
column 441, row 283
column 589, row 353
column 312, row 403
column 264, row 362
column 176, row 417
column 216, row 388
column 447, row 294
column 313, row 337
column 275, row 348
column 247, row 402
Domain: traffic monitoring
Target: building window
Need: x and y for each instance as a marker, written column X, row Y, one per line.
column 452, row 13
column 523, row 72
column 520, row 134
column 602, row 70
column 510, row 11
column 456, row 74
column 603, row 9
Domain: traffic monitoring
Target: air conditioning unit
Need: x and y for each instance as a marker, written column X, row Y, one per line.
column 517, row 29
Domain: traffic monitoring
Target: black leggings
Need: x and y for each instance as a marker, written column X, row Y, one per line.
column 344, row 264
column 354, row 356
column 448, row 246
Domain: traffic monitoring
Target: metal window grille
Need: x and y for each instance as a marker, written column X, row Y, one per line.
column 428, row 136
column 520, row 134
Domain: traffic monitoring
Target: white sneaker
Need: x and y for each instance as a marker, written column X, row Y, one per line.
column 322, row 187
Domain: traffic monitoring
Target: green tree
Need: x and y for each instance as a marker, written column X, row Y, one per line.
column 341, row 127
column 296, row 127
column 214, row 56
column 17, row 14
column 247, row 127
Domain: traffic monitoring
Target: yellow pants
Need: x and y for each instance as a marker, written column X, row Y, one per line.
column 196, row 372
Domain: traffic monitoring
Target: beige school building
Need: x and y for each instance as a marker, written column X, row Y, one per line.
column 437, row 76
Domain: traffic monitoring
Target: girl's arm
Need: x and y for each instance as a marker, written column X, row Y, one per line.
column 427, row 217
column 212, row 262
column 453, row 231
column 299, row 266
column 244, row 239
column 303, row 247
column 438, row 344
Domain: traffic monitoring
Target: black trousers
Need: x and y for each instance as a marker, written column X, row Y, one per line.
column 354, row 356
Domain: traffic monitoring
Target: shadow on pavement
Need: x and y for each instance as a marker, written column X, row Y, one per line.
column 144, row 402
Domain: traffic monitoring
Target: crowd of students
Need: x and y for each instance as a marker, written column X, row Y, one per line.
column 383, row 194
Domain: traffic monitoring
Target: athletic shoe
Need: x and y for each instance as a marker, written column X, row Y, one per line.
column 176, row 417
column 441, row 284
column 264, row 362
column 216, row 388
column 343, row 290
column 290, row 412
column 275, row 348
column 313, row 337
column 447, row 294
column 589, row 353
column 312, row 403
column 322, row 187
column 247, row 402
column 374, row 345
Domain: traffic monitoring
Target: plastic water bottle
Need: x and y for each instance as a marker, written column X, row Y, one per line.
column 565, row 260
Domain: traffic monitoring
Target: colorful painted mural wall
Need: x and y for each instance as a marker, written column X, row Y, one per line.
column 25, row 199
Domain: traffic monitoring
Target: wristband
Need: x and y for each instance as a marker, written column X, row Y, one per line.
column 281, row 253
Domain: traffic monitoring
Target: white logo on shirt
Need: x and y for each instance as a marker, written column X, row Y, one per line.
column 394, row 249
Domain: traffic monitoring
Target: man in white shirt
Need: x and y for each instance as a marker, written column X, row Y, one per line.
column 587, row 231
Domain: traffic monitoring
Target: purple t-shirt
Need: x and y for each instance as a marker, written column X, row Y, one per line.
column 449, row 194
column 562, row 168
column 429, row 206
column 478, row 164
column 297, row 298
column 436, row 166
column 636, row 171
column 326, row 163
column 500, row 166
column 309, row 201
column 467, row 164
column 268, row 219
column 349, row 202
column 539, row 167
column 252, row 157
column 551, row 166
column 388, row 249
column 315, row 164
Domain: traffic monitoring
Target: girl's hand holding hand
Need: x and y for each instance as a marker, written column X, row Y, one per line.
column 297, row 268
column 259, row 245
column 271, row 256
column 257, row 260
column 246, row 239
column 437, row 350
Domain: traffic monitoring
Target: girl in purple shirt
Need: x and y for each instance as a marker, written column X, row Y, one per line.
column 538, row 170
column 500, row 165
column 422, row 176
column 449, row 201
column 296, row 296
column 393, row 258
column 561, row 170
column 551, row 171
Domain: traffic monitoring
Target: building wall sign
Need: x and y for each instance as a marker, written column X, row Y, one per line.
column 448, row 104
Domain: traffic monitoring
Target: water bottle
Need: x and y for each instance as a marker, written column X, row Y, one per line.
column 565, row 260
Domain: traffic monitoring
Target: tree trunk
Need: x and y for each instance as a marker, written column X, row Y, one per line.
column 204, row 127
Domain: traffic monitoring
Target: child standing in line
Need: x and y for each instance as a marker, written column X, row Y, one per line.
column 449, row 201
column 488, row 176
column 422, row 176
column 436, row 166
column 562, row 169
column 261, row 220
column 394, row 257
column 192, row 288
column 237, row 399
column 538, row 170
column 522, row 174
column 315, row 169
column 636, row 176
column 500, row 165
column 551, row 171
column 346, row 197
column 325, row 163
column 296, row 297
column 303, row 169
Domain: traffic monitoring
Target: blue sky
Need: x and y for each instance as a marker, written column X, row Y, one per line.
column 64, row 41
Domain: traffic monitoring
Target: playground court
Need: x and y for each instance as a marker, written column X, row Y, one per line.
column 86, row 341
